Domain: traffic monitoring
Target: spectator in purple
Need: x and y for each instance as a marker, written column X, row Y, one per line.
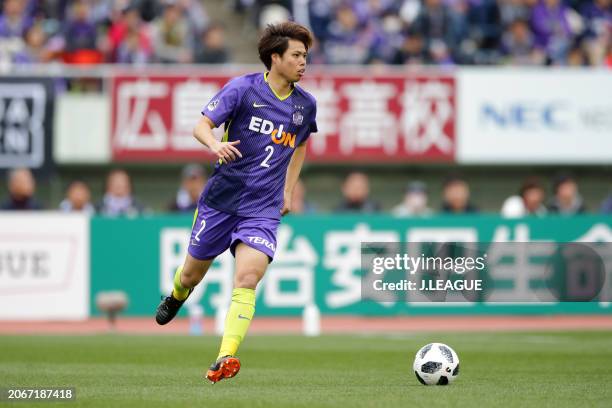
column 598, row 16
column 80, row 32
column 388, row 38
column 348, row 42
column 382, row 17
column 374, row 9
column 32, row 7
column 550, row 24
column 14, row 21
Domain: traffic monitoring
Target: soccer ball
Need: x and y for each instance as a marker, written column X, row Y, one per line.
column 436, row 364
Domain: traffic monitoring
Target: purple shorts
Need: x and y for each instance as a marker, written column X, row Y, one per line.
column 214, row 231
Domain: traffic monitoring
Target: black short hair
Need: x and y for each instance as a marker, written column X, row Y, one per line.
column 275, row 40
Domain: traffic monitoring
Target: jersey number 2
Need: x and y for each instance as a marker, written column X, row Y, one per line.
column 203, row 224
column 265, row 163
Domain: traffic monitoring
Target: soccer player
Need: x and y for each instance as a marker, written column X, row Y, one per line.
column 268, row 120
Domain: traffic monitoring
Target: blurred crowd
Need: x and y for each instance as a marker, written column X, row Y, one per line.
column 402, row 32
column 109, row 31
column 529, row 200
column 449, row 32
column 119, row 199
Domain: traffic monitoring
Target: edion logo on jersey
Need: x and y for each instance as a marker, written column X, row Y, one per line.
column 266, row 127
column 262, row 241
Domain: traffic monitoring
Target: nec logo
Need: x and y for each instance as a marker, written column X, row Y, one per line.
column 262, row 241
column 524, row 116
column 266, row 127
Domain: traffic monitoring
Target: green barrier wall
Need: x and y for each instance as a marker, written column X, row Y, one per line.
column 317, row 260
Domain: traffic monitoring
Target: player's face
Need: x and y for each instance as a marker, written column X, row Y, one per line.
column 292, row 64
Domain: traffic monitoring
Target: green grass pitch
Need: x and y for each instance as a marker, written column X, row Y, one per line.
column 531, row 369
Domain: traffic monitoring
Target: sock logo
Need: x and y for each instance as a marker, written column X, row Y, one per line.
column 240, row 316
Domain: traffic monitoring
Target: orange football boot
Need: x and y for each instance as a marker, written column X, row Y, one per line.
column 225, row 367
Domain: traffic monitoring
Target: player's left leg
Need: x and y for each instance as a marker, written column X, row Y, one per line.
column 211, row 234
column 251, row 265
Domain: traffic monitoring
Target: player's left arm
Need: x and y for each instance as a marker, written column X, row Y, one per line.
column 293, row 174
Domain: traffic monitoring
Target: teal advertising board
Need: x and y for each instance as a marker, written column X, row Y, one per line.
column 317, row 261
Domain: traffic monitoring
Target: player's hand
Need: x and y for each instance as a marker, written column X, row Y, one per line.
column 225, row 151
column 286, row 204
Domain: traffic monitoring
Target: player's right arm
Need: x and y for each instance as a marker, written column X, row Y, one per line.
column 221, row 109
column 225, row 151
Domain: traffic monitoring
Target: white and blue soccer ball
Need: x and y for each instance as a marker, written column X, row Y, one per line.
column 436, row 364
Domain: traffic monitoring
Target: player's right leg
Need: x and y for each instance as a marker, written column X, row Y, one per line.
column 185, row 279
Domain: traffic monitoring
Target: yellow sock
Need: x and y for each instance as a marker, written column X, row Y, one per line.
column 237, row 321
column 179, row 292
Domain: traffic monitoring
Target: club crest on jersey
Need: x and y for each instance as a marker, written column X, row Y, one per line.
column 212, row 105
column 277, row 135
column 298, row 118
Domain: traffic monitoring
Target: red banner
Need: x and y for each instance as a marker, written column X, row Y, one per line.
column 361, row 118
